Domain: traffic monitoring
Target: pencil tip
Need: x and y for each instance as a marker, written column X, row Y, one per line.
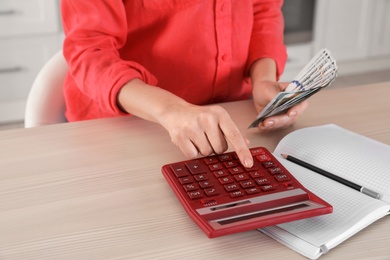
column 284, row 155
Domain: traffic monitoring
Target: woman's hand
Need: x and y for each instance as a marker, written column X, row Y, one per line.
column 264, row 88
column 263, row 93
column 194, row 129
column 204, row 130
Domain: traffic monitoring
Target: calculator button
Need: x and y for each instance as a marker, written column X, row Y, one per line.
column 253, row 190
column 282, row 177
column 267, row 187
column 210, row 160
column 185, row 180
column 263, row 158
column 195, row 194
column 226, row 180
column 216, row 167
column 253, row 168
column 247, row 184
column 235, row 170
column 241, row 177
column 256, row 174
column 236, row 194
column 211, row 192
column 221, row 173
column 257, row 151
column 205, row 184
column 275, row 170
column 189, row 187
column 226, row 157
column 268, row 164
column 230, row 164
column 195, row 167
column 231, row 187
column 179, row 170
column 201, row 177
column 262, row 181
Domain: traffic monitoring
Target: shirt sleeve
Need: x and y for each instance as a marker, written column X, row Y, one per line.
column 267, row 35
column 94, row 33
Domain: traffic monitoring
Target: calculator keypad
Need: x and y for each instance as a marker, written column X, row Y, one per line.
column 223, row 197
column 223, row 175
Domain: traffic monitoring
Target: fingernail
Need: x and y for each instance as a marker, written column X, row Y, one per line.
column 248, row 162
column 293, row 113
column 270, row 123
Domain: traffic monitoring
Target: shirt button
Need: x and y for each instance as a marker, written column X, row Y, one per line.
column 223, row 7
column 223, row 57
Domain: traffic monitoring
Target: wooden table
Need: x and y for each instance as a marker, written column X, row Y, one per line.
column 94, row 189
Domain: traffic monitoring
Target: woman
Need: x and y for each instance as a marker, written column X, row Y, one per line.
column 163, row 60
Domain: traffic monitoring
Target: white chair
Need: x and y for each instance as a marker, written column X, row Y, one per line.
column 46, row 102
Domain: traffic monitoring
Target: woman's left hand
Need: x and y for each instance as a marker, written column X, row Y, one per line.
column 263, row 93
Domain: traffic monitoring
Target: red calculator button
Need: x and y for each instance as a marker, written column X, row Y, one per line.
column 257, row 151
column 230, row 164
column 185, row 180
column 205, row 184
column 236, row 170
column 268, row 164
column 231, row 187
column 262, row 181
column 210, row 160
column 247, row 184
column 267, row 187
column 275, row 170
column 195, row 194
column 226, row 180
column 282, row 177
column 179, row 170
column 201, row 177
column 216, row 167
column 253, row 168
column 263, row 158
column 241, row 177
column 226, row 157
column 195, row 167
column 253, row 190
column 211, row 192
column 190, row 187
column 236, row 194
column 256, row 174
column 221, row 173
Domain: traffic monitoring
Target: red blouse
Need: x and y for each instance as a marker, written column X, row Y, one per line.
column 200, row 50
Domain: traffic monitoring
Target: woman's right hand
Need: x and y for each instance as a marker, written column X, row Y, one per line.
column 196, row 130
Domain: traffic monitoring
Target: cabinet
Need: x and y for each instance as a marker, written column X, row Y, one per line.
column 380, row 45
column 357, row 32
column 30, row 33
column 343, row 27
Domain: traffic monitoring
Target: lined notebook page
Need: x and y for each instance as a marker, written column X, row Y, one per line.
column 346, row 154
column 357, row 158
column 339, row 225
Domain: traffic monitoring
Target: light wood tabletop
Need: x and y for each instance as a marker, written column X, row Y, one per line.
column 94, row 189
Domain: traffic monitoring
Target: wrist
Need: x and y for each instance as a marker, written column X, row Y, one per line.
column 263, row 70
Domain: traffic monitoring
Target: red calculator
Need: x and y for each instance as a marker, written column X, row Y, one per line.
column 223, row 197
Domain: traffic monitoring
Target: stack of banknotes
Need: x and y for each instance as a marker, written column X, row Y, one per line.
column 316, row 75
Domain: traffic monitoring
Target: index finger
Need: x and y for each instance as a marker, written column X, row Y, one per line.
column 235, row 138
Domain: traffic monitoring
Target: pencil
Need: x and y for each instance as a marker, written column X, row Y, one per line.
column 332, row 176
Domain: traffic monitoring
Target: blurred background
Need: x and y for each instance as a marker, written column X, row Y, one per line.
column 357, row 32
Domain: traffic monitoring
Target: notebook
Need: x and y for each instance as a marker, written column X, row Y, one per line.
column 349, row 155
